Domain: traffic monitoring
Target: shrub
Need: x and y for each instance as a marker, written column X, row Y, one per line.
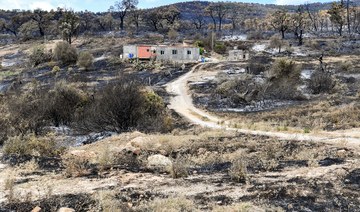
column 283, row 79
column 55, row 70
column 27, row 111
column 276, row 42
column 172, row 34
column 106, row 160
column 61, row 103
column 346, row 66
column 259, row 64
column 30, row 145
column 76, row 166
column 39, row 107
column 220, row 48
column 238, row 171
column 180, row 167
column 85, row 60
column 4, row 122
column 283, row 68
column 122, row 106
column 199, row 44
column 312, row 44
column 321, row 82
column 39, row 55
column 65, row 53
column 255, row 35
column 170, row 204
column 117, row 107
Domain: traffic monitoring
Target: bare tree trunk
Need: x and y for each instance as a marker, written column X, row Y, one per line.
column 348, row 16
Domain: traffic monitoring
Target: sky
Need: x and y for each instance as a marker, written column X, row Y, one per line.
column 103, row 5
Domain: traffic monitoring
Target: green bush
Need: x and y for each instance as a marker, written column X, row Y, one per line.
column 220, row 48
column 283, row 68
column 85, row 60
column 30, row 145
column 55, row 70
column 65, row 53
column 39, row 55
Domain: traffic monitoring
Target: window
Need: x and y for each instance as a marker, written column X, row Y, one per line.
column 174, row 51
column 244, row 56
column 148, row 50
column 162, row 52
column 154, row 51
column 188, row 52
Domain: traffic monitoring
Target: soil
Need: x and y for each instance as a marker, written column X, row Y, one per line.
column 305, row 176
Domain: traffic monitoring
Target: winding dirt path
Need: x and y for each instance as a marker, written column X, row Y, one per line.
column 182, row 103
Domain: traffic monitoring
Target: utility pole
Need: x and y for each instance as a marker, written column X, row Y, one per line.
column 212, row 40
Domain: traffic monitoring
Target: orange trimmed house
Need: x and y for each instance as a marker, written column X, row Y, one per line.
column 145, row 52
column 162, row 53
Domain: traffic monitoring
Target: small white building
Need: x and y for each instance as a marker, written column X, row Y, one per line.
column 238, row 55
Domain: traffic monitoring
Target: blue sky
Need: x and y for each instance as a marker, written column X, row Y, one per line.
column 99, row 5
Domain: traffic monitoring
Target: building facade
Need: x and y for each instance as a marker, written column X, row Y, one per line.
column 162, row 53
column 238, row 55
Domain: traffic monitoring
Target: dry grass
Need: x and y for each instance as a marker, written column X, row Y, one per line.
column 240, row 207
column 312, row 117
column 107, row 201
column 76, row 166
column 238, row 171
column 180, row 167
column 169, row 205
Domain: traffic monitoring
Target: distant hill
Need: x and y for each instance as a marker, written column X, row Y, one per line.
column 190, row 9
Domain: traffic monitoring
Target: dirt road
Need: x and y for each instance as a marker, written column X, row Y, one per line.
column 182, row 103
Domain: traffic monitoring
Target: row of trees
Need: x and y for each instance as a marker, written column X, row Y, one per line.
column 214, row 16
column 335, row 19
column 40, row 23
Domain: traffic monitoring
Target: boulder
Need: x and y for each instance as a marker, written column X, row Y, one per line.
column 83, row 153
column 159, row 163
column 143, row 143
column 36, row 209
column 66, row 210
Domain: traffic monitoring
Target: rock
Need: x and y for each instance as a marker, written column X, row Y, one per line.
column 144, row 143
column 159, row 163
column 36, row 209
column 66, row 210
column 83, row 154
column 163, row 152
column 201, row 151
column 128, row 148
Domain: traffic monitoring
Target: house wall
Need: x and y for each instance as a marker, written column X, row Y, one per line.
column 238, row 55
column 130, row 49
column 144, row 52
column 180, row 56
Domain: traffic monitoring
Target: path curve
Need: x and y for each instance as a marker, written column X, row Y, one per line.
column 182, row 103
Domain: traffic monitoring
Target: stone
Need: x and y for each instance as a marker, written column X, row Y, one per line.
column 83, row 153
column 36, row 209
column 66, row 210
column 159, row 163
